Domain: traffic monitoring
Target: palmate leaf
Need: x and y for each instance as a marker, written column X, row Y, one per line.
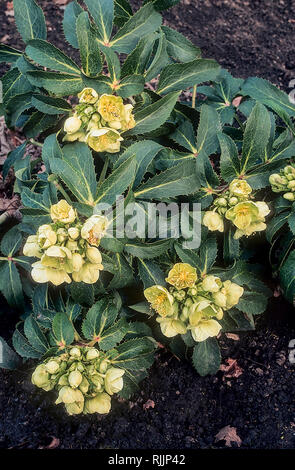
column 153, row 116
column 206, row 357
column 23, row 347
column 113, row 335
column 89, row 48
column 137, row 62
column 147, row 250
column 35, row 335
column 178, row 180
column 178, row 77
column 131, row 85
column 179, row 47
column 47, row 55
column 76, row 169
column 14, row 83
column 63, row 330
column 102, row 11
column 29, row 19
column 207, row 134
column 229, row 159
column 145, row 21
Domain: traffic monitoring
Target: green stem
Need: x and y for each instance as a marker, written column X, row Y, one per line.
column 62, row 191
column 34, row 142
column 194, row 96
column 104, row 171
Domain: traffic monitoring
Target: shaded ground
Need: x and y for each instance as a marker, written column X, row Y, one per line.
column 188, row 410
column 249, row 38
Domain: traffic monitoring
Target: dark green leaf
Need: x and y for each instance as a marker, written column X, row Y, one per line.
column 206, row 357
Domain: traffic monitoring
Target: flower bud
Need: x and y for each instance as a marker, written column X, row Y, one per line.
column 221, row 201
column 91, row 354
column 72, row 125
column 75, row 378
column 219, row 299
column 52, row 367
column 289, row 196
column 211, row 284
column 213, row 221
column 233, row 201
column 100, row 404
column 40, row 376
column 179, row 295
column 74, row 233
column 75, row 352
column 93, row 255
column 192, row 291
column 103, row 366
column 113, row 381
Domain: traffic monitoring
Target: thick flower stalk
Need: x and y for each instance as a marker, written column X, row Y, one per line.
column 284, row 182
column 192, row 304
column 67, row 248
column 84, row 379
column 99, row 121
column 237, row 205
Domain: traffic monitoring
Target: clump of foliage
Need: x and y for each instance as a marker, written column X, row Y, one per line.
column 105, row 133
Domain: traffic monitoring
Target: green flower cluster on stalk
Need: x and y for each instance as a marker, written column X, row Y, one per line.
column 98, row 120
column 84, row 379
column 192, row 304
column 236, row 205
column 67, row 246
column 284, row 182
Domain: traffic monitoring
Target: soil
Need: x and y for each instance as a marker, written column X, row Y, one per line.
column 249, row 38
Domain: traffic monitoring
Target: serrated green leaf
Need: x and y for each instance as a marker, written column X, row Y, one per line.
column 102, row 11
column 275, row 224
column 14, row 83
column 16, row 106
column 154, row 115
column 231, row 247
column 256, row 137
column 207, row 134
column 117, row 182
column 253, row 303
column 208, row 253
column 63, row 329
column 99, row 318
column 131, row 380
column 60, row 84
column 206, row 357
column 76, row 169
column 10, row 284
column 30, row 20
column 8, row 358
column 147, row 250
column 113, row 335
column 72, row 11
column 177, row 77
column 11, row 242
column 23, row 347
column 50, row 105
column 82, row 293
column 89, row 48
column 178, row 180
column 35, row 335
column 229, row 160
column 184, row 135
column 188, row 256
column 134, row 354
column 123, row 274
column 160, row 59
column 137, row 61
column 50, row 150
column 179, row 47
column 47, row 55
column 13, row 156
column 9, row 54
column 131, row 85
column 150, row 273
column 267, row 93
column 38, row 123
column 145, row 21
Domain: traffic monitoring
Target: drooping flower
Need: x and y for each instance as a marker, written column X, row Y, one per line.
column 182, row 275
column 72, row 125
column 213, row 221
column 32, row 248
column 94, row 229
column 104, row 140
column 101, row 404
column 171, row 327
column 63, row 212
column 160, row 299
column 248, row 217
column 205, row 329
column 89, row 273
column 113, row 381
column 240, row 188
column 46, row 236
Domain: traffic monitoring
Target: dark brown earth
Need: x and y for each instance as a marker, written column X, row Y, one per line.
column 249, row 38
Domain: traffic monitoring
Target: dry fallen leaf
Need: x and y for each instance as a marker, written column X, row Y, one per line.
column 148, row 404
column 232, row 369
column 53, row 444
column 229, row 435
column 232, row 336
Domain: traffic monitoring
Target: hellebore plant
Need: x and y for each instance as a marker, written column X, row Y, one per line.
column 116, row 132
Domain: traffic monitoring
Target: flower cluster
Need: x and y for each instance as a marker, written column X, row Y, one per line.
column 67, row 246
column 236, row 205
column 98, row 121
column 284, row 182
column 191, row 303
column 84, row 378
